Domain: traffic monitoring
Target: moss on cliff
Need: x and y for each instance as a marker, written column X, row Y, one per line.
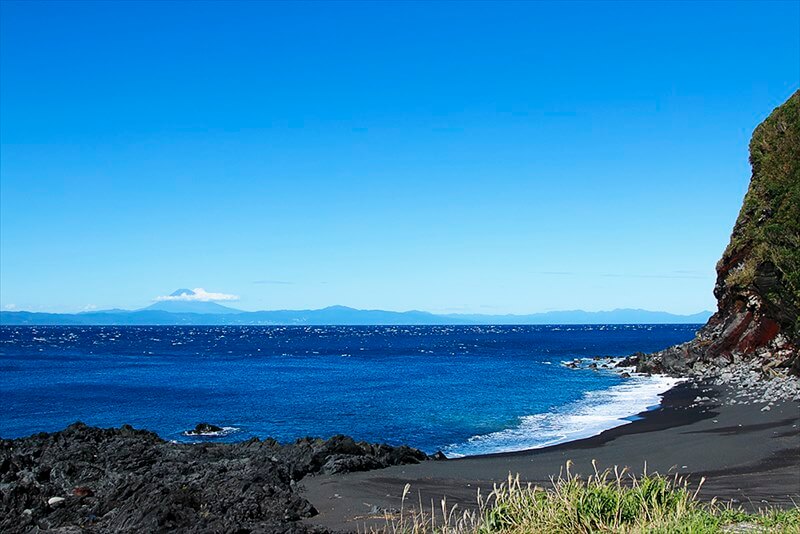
column 766, row 238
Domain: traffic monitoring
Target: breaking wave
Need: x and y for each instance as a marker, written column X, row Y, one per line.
column 595, row 412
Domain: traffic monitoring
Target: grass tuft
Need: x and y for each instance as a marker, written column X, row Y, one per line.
column 607, row 501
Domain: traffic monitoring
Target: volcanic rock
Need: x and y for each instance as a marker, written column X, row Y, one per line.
column 127, row 480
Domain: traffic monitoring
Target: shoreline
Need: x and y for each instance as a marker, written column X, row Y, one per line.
column 749, row 457
column 597, row 411
column 678, row 396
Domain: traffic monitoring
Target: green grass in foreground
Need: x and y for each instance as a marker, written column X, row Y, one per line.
column 609, row 501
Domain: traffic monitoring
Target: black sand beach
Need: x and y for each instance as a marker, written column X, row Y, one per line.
column 749, row 457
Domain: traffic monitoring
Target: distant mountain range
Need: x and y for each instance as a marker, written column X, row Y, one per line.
column 182, row 312
column 618, row 316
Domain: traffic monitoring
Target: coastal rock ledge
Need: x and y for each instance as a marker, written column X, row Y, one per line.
column 758, row 277
column 86, row 479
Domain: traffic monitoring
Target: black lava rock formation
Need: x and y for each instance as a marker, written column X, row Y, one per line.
column 86, row 479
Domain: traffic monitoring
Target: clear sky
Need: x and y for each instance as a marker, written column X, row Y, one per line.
column 476, row 157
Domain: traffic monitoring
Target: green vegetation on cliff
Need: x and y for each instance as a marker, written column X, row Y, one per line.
column 766, row 238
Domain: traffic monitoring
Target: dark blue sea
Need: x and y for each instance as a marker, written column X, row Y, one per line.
column 462, row 389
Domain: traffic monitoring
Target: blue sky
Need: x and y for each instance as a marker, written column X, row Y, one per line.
column 478, row 157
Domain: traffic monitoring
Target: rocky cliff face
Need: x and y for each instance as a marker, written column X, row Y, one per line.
column 758, row 276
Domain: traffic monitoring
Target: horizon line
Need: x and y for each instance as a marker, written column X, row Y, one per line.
column 345, row 307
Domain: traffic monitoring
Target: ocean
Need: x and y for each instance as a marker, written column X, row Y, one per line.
column 464, row 390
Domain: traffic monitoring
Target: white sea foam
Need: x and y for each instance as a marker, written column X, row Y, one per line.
column 595, row 412
column 226, row 430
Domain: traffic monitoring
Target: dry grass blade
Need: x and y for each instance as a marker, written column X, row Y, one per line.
column 611, row 500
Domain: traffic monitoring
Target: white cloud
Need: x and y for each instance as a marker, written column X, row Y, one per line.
column 197, row 294
column 10, row 307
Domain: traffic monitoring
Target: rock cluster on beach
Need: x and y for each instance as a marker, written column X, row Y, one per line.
column 755, row 333
column 749, row 383
column 86, row 479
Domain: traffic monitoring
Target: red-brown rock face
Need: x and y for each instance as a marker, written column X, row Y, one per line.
column 758, row 276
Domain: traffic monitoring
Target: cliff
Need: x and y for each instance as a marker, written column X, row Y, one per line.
column 758, row 276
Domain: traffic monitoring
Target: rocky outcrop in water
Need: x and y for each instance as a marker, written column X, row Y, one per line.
column 204, row 429
column 86, row 479
column 758, row 276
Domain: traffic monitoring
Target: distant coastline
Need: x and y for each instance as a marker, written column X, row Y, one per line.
column 165, row 313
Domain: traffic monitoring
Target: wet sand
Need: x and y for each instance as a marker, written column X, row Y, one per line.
column 748, row 456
